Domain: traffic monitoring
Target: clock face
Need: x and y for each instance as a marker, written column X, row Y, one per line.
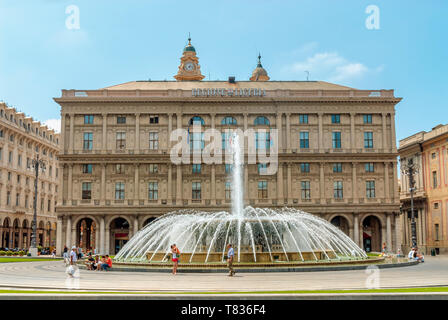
column 189, row 66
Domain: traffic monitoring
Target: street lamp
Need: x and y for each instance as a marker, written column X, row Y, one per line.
column 409, row 170
column 37, row 164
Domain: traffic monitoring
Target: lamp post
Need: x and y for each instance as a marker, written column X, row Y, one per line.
column 37, row 164
column 409, row 170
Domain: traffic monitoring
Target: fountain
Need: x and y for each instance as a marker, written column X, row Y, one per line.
column 259, row 235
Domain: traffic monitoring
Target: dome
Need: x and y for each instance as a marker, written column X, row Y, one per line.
column 259, row 74
column 189, row 47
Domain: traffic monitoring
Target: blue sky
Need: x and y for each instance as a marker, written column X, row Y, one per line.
column 120, row 41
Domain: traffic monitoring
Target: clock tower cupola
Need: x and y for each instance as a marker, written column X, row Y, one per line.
column 189, row 69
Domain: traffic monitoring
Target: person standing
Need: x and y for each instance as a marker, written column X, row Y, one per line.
column 73, row 258
column 175, row 252
column 230, row 256
column 65, row 255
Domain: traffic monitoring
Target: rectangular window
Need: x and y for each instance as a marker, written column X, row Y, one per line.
column 337, row 167
column 26, row 202
column 368, row 140
column 335, row 118
column 306, row 190
column 88, row 141
column 196, row 141
column 433, row 155
column 370, row 167
column 196, row 168
column 367, row 118
column 153, row 168
column 229, row 168
column 121, row 120
column 304, row 140
column 17, row 199
column 336, row 140
column 153, row 141
column 119, row 168
column 88, row 119
column 153, row 119
column 19, row 160
column 225, row 139
column 10, row 157
column 303, row 118
column 86, row 190
column 228, row 190
column 49, row 205
column 119, row 190
column 153, row 190
column 8, row 198
column 434, row 179
column 370, row 189
column 262, row 189
column 87, row 168
column 436, row 232
column 196, row 190
column 338, row 190
column 304, row 167
column 262, row 140
column 121, row 140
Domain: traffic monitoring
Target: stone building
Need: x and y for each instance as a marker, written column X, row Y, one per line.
column 22, row 139
column 337, row 154
column 428, row 151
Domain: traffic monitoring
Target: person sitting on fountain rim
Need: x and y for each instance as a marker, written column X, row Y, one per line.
column 230, row 255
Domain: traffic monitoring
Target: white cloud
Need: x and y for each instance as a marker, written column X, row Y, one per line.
column 54, row 124
column 330, row 66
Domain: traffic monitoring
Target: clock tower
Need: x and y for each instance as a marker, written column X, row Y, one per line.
column 189, row 69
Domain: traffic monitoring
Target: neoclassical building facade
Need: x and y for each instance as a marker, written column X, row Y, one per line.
column 336, row 154
column 429, row 152
column 22, row 140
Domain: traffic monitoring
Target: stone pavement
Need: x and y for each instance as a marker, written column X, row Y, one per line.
column 51, row 275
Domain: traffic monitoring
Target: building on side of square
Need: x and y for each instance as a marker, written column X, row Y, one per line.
column 337, row 154
column 428, row 150
column 22, row 139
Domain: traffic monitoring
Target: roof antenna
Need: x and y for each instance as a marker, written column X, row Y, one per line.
column 307, row 75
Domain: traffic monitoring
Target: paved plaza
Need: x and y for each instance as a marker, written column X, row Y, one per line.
column 51, row 275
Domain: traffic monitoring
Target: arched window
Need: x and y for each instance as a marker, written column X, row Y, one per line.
column 196, row 120
column 229, row 121
column 261, row 121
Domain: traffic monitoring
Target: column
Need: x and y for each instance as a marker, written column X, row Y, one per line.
column 392, row 133
column 352, row 131
column 356, row 228
column 386, row 182
column 103, row 183
column 104, row 145
column 213, row 186
column 280, row 183
column 107, row 242
column 245, row 121
column 136, row 181
column 212, row 116
column 70, row 184
column 178, row 184
column 68, row 233
column 397, row 232
column 424, row 226
column 170, row 129
column 322, row 183
column 135, row 225
column 246, row 183
column 62, row 135
column 288, row 132
column 102, row 236
column 354, row 183
column 321, row 132
column 97, row 238
column 169, row 186
column 137, row 133
column 72, row 125
column 289, row 183
column 389, row 232
column 74, row 235
column 384, row 119
column 280, row 133
column 395, row 178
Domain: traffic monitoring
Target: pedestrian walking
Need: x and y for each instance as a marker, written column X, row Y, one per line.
column 176, row 253
column 65, row 255
column 230, row 256
column 73, row 258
